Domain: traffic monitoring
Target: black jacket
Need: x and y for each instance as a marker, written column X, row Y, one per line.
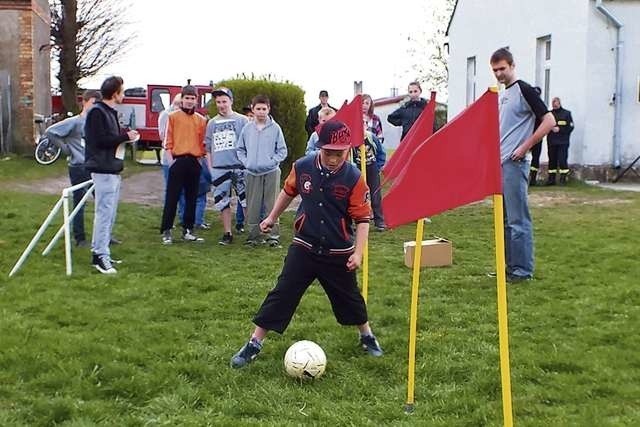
column 564, row 121
column 102, row 136
column 312, row 119
column 407, row 114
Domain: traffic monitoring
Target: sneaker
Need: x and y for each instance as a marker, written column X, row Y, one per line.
column 274, row 243
column 188, row 236
column 381, row 227
column 246, row 354
column 250, row 242
column 513, row 279
column 240, row 228
column 102, row 263
column 226, row 239
column 371, row 345
column 203, row 226
column 166, row 238
column 115, row 241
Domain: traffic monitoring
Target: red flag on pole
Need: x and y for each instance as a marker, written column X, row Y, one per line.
column 421, row 130
column 458, row 165
column 351, row 115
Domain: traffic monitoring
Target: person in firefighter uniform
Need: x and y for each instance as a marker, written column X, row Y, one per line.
column 558, row 143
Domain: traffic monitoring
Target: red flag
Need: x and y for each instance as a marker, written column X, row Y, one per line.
column 460, row 164
column 421, row 130
column 351, row 115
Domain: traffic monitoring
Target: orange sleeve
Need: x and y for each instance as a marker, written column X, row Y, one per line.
column 360, row 202
column 291, row 184
column 203, row 128
column 169, row 144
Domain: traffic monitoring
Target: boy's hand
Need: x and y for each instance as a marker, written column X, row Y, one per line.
column 354, row 261
column 266, row 225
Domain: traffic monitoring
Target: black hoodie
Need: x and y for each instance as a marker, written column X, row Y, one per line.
column 407, row 114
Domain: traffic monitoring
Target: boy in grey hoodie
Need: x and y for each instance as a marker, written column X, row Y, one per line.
column 261, row 148
column 69, row 136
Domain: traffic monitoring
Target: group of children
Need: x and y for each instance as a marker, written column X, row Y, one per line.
column 242, row 153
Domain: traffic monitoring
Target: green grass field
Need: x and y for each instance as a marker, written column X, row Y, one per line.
column 151, row 346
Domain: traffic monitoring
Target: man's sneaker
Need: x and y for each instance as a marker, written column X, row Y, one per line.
column 240, row 228
column 246, row 354
column 370, row 343
column 513, row 279
column 380, row 227
column 226, row 239
column 166, row 238
column 115, row 241
column 203, row 226
column 188, row 236
column 102, row 263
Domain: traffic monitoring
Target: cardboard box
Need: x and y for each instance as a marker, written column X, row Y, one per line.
column 435, row 253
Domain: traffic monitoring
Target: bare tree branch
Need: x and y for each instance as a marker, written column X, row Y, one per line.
column 86, row 35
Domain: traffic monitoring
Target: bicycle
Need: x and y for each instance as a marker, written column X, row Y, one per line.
column 46, row 151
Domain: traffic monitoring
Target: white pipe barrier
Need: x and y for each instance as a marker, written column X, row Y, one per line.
column 64, row 203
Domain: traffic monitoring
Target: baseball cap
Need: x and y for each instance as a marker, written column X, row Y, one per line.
column 324, row 93
column 189, row 90
column 334, row 135
column 222, row 91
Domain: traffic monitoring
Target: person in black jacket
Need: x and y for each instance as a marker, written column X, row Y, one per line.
column 312, row 118
column 104, row 159
column 558, row 143
column 408, row 113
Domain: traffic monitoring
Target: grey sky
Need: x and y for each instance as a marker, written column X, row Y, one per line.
column 317, row 45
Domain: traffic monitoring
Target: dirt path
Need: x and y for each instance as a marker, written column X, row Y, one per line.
column 147, row 188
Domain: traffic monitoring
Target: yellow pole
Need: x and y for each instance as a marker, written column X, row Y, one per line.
column 413, row 322
column 365, row 255
column 503, row 328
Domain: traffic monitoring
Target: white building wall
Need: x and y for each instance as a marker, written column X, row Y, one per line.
column 627, row 11
column 582, row 63
column 391, row 133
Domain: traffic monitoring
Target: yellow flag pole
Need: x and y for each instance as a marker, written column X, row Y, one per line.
column 365, row 255
column 503, row 328
column 413, row 322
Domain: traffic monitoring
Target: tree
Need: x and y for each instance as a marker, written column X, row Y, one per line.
column 427, row 48
column 86, row 35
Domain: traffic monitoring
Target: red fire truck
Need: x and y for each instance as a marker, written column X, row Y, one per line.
column 141, row 109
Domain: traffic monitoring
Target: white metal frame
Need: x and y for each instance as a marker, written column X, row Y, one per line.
column 65, row 229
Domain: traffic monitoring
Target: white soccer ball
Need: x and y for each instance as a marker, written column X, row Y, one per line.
column 305, row 359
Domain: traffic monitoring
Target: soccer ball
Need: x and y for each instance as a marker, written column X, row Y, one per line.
column 305, row 359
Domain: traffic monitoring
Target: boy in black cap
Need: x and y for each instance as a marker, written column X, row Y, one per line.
column 312, row 117
column 333, row 197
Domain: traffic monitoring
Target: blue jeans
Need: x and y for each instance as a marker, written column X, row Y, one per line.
column 107, row 193
column 518, row 229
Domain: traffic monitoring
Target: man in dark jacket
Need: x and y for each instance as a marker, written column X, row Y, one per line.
column 312, row 117
column 409, row 112
column 104, row 159
column 558, row 143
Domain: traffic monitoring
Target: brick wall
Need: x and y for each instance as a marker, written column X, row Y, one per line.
column 25, row 127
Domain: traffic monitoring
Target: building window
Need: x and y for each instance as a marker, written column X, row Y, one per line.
column 543, row 67
column 471, row 79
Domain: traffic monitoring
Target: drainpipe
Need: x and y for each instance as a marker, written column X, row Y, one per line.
column 617, row 96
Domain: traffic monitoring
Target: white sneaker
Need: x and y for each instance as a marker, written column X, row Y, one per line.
column 188, row 236
column 104, row 266
column 166, row 238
